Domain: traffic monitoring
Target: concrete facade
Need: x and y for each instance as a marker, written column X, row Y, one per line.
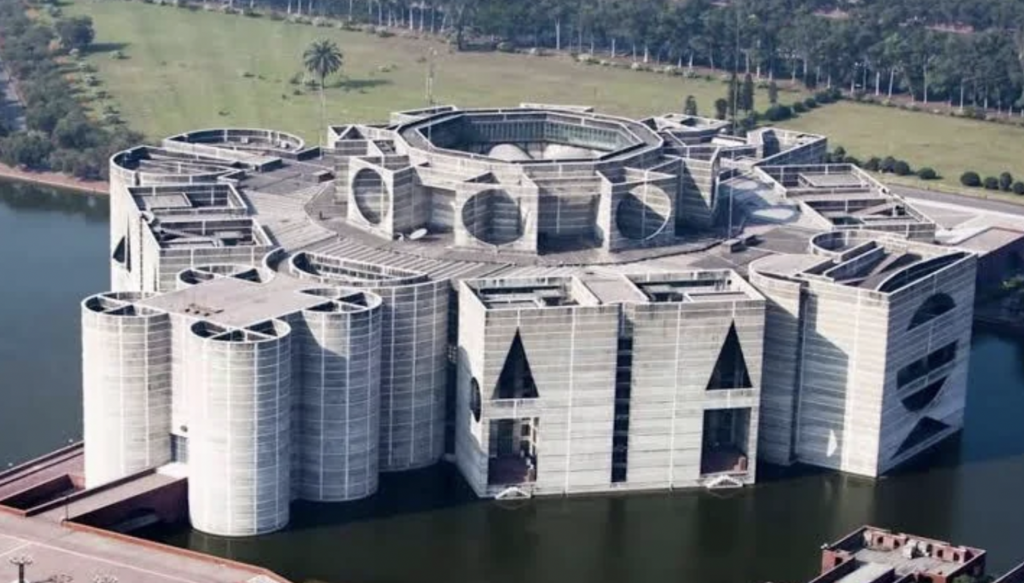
column 619, row 378
column 540, row 294
column 869, row 335
column 126, row 386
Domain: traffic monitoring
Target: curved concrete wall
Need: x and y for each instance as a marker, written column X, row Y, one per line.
column 339, row 402
column 413, row 375
column 414, row 354
column 239, row 383
column 126, row 385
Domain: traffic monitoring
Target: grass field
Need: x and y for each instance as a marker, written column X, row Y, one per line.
column 949, row 145
column 189, row 69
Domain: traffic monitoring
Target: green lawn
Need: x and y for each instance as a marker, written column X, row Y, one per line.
column 187, row 69
column 949, row 145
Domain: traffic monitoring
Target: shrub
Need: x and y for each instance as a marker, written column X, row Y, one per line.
column 873, row 164
column 824, row 97
column 810, row 103
column 971, row 179
column 506, row 47
column 778, row 113
column 1005, row 181
column 851, row 160
column 991, row 183
column 276, row 16
column 927, row 173
column 384, row 33
column 295, row 79
column 901, row 168
column 1018, row 187
column 888, row 164
column 799, row 107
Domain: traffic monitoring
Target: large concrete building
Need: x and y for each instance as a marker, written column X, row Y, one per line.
column 544, row 295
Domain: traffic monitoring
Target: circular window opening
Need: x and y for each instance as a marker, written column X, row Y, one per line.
column 493, row 217
column 474, row 399
column 371, row 195
column 643, row 213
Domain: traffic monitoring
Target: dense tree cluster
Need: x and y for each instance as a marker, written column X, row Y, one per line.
column 60, row 135
column 927, row 50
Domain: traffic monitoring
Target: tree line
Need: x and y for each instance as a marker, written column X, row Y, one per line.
column 960, row 52
column 61, row 135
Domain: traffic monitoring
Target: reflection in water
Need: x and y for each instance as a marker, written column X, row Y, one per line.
column 22, row 196
column 54, row 253
column 425, row 526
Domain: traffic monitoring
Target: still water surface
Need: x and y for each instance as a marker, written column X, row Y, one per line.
column 424, row 527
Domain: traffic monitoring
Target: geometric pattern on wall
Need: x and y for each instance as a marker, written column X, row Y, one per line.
column 925, row 429
column 516, row 379
column 730, row 370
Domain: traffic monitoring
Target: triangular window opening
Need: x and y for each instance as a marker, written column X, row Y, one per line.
column 516, row 380
column 730, row 370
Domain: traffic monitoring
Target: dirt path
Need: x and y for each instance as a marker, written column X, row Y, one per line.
column 55, row 179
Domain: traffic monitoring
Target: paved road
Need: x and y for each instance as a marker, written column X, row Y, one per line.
column 961, row 200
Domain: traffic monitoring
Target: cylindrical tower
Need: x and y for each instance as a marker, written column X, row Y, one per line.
column 414, row 353
column 239, row 383
column 413, row 375
column 339, row 401
column 126, row 386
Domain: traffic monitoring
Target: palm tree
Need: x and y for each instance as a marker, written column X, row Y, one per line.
column 323, row 58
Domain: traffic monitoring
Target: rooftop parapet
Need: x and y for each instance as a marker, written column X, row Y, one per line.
column 188, row 199
column 254, row 148
column 146, row 165
column 694, row 286
column 532, row 293
column 349, row 272
column 474, row 133
column 842, row 196
column 203, row 273
column 880, row 262
column 209, row 233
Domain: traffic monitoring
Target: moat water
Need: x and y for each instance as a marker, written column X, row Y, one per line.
column 425, row 527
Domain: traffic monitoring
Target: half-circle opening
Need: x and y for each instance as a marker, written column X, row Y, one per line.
column 932, row 308
column 643, row 213
column 371, row 195
column 493, row 217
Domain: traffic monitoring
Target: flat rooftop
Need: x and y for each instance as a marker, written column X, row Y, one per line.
column 234, row 302
column 876, row 551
